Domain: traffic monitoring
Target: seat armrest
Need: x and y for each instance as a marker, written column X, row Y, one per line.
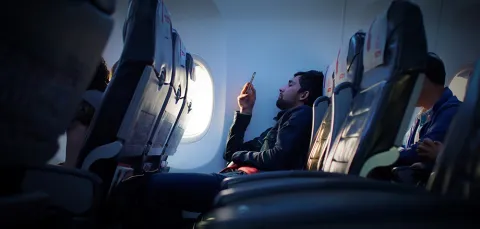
column 329, row 182
column 72, row 190
column 232, row 182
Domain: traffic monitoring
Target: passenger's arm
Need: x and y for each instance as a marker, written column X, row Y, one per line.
column 289, row 133
column 236, row 135
column 436, row 132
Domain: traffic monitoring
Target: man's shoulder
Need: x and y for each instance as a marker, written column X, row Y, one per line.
column 300, row 112
column 449, row 106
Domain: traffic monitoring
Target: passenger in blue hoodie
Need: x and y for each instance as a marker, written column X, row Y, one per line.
column 440, row 106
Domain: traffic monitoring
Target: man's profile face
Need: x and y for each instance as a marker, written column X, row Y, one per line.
column 289, row 96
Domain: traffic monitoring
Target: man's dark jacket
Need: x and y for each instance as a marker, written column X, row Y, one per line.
column 283, row 147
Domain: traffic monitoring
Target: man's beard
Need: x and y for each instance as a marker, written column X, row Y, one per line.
column 282, row 104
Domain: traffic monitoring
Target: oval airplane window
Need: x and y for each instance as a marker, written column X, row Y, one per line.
column 200, row 94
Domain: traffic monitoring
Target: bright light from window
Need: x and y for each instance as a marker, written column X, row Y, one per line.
column 200, row 93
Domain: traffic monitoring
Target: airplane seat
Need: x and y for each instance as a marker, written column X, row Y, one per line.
column 394, row 58
column 452, row 189
column 121, row 128
column 321, row 134
column 320, row 107
column 348, row 76
column 391, row 82
column 182, row 119
column 171, row 124
column 39, row 96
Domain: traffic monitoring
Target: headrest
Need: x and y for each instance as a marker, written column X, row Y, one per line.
column 180, row 52
column 341, row 66
column 190, row 67
column 328, row 83
column 376, row 39
column 402, row 26
column 134, row 31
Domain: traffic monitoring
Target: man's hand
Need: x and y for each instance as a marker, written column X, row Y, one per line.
column 246, row 99
column 429, row 149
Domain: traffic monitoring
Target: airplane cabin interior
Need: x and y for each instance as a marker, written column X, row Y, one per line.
column 386, row 148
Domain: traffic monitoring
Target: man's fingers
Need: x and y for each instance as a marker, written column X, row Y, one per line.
column 428, row 142
column 242, row 96
column 252, row 89
column 245, row 88
column 423, row 148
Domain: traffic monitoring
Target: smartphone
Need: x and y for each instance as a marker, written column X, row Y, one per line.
column 251, row 81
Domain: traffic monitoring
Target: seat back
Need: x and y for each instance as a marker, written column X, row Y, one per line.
column 320, row 106
column 46, row 68
column 165, row 125
column 457, row 166
column 348, row 76
column 321, row 119
column 136, row 95
column 182, row 120
column 394, row 57
column 53, row 89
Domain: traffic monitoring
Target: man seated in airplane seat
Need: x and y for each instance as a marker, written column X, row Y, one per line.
column 79, row 126
column 439, row 107
column 282, row 147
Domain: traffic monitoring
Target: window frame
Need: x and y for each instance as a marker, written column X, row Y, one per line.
column 197, row 60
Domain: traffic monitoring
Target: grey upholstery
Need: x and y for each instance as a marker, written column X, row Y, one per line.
column 182, row 119
column 389, row 90
column 165, row 127
column 347, row 81
column 409, row 38
column 137, row 95
column 42, row 53
column 320, row 107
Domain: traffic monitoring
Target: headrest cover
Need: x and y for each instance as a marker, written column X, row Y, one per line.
column 190, row 67
column 376, row 39
column 328, row 81
column 180, row 52
column 183, row 54
column 341, row 65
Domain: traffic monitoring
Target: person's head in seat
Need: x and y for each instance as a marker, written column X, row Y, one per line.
column 433, row 86
column 77, row 130
column 302, row 89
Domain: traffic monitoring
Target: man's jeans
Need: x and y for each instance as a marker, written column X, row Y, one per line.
column 167, row 194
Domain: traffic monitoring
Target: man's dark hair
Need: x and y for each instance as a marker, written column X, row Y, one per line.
column 311, row 81
column 435, row 71
column 101, row 77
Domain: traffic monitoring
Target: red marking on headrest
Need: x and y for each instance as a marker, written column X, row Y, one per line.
column 336, row 67
column 369, row 36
